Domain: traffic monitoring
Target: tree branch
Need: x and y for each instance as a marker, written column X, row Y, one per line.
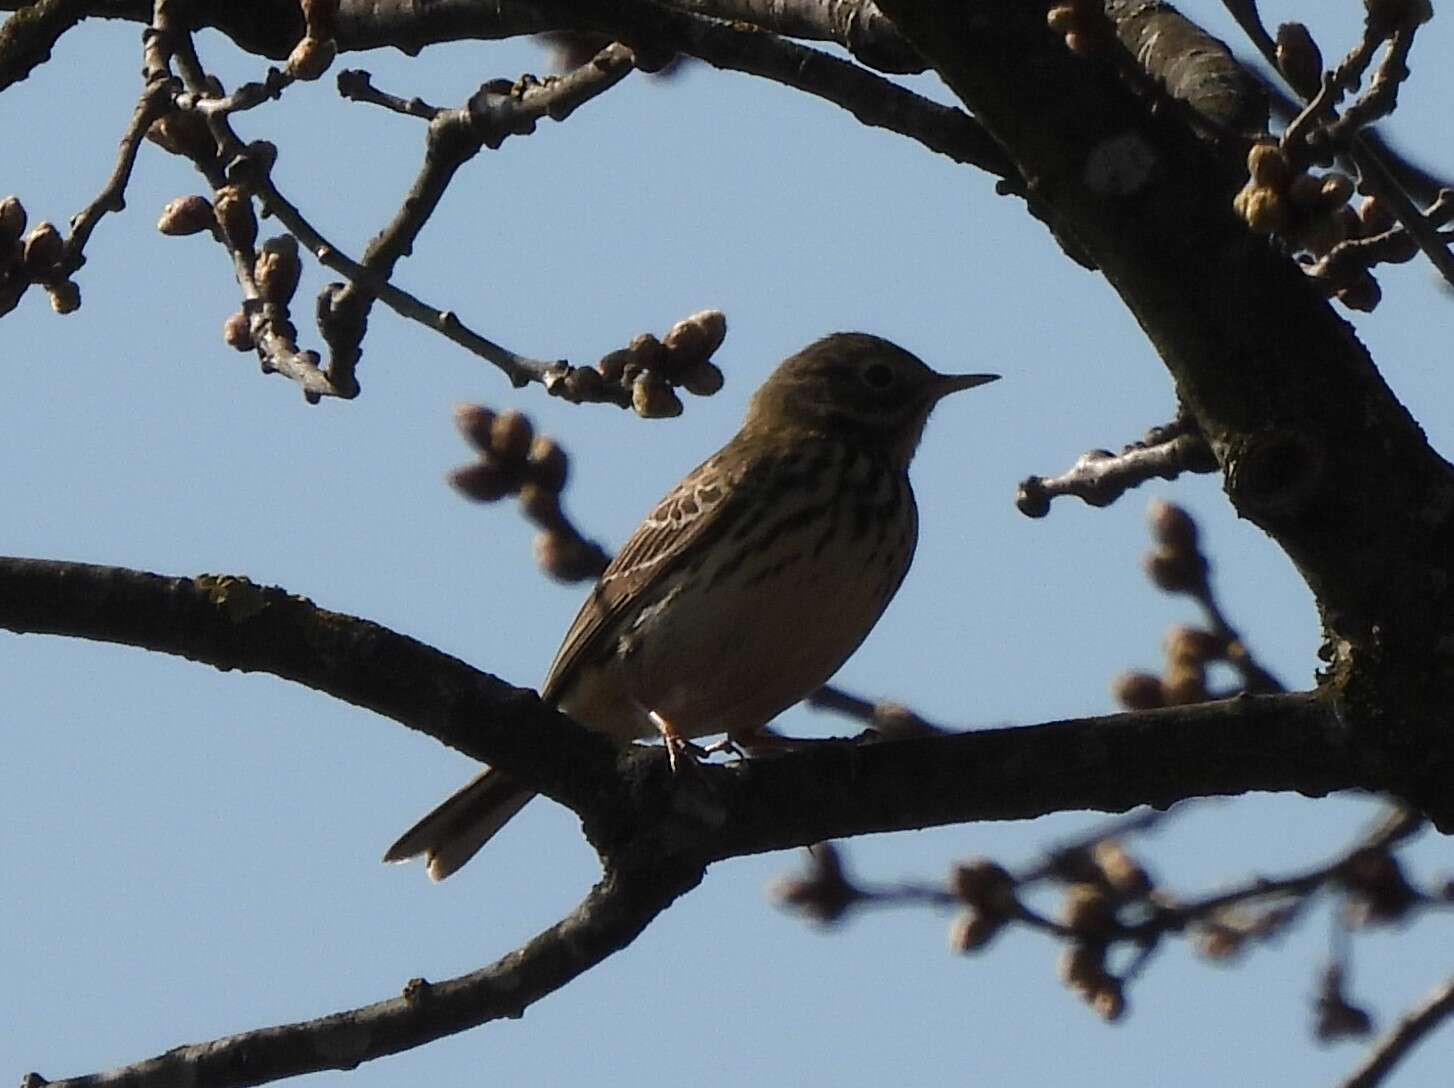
column 611, row 916
column 632, row 807
column 1288, row 399
column 1404, row 1036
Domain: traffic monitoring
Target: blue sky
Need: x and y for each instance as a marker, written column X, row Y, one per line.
column 194, row 853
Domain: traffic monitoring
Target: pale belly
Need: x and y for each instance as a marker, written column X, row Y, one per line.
column 729, row 657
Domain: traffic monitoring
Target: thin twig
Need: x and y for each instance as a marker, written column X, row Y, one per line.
column 1403, row 1037
column 357, row 85
column 888, row 719
column 155, row 100
column 1100, row 477
column 245, row 97
column 497, row 111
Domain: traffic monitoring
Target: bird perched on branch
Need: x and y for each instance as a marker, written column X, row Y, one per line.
column 748, row 585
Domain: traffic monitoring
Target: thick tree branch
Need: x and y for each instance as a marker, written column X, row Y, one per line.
column 633, row 808
column 1287, row 398
column 606, row 921
column 273, row 27
column 27, row 38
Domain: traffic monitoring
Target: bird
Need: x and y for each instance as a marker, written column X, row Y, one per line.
column 748, row 585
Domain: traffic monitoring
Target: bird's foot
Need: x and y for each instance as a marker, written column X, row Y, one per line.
column 681, row 753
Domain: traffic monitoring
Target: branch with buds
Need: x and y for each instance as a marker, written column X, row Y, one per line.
column 1114, row 916
column 1100, row 477
column 1177, row 565
column 1309, row 212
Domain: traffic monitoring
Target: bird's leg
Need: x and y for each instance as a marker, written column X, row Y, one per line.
column 680, row 752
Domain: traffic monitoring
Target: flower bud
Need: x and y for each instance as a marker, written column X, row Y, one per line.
column 1263, row 209
column 184, row 133
column 237, row 332
column 474, row 421
column 1062, row 18
column 1185, row 684
column 186, row 215
column 1087, row 911
column 548, row 464
column 277, row 269
column 1138, row 691
column 1362, row 293
column 702, row 378
column 1335, row 190
column 984, row 885
column 1220, row 942
column 652, row 398
column 12, row 221
column 233, row 209
column 1122, row 873
column 43, row 251
column 1177, row 572
column 311, row 57
column 510, row 436
column 1268, row 166
column 1109, row 1001
column 1299, row 59
column 1376, row 215
column 65, row 296
column 972, row 930
column 584, row 383
column 1083, row 968
column 648, row 351
column 695, row 338
column 1171, row 526
column 1193, row 646
column 613, row 364
column 483, row 481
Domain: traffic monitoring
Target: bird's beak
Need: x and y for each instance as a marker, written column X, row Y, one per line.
column 953, row 383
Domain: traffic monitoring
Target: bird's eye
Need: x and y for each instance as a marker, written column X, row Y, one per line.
column 878, row 375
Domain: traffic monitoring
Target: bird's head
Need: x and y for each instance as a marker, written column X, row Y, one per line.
column 857, row 387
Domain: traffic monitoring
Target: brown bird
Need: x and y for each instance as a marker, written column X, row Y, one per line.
column 749, row 584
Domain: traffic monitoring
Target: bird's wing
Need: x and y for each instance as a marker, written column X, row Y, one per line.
column 705, row 505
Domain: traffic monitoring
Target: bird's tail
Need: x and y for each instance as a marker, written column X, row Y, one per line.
column 454, row 830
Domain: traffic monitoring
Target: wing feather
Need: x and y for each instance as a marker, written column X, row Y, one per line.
column 705, row 503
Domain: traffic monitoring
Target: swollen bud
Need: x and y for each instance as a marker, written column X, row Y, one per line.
column 698, row 336
column 1138, row 691
column 702, row 378
column 12, row 221
column 511, row 435
column 474, row 422
column 1299, row 59
column 311, row 57
column 237, row 332
column 65, row 296
column 652, row 398
column 43, row 251
column 186, row 215
column 277, row 269
column 483, row 481
column 233, row 208
column 1171, row 526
